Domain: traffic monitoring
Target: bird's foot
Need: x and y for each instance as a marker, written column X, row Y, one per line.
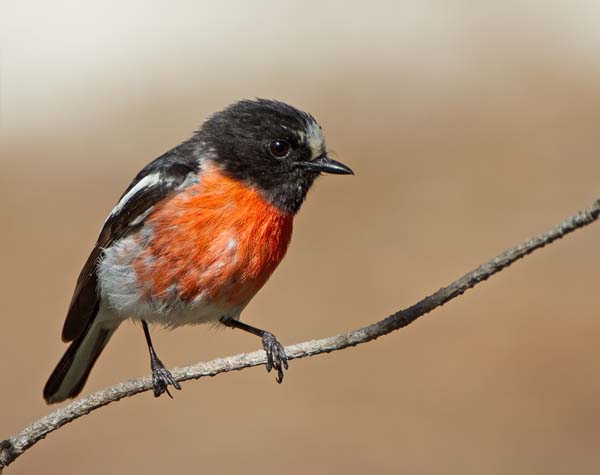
column 276, row 357
column 162, row 378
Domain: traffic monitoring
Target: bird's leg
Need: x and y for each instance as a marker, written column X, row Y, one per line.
column 276, row 357
column 161, row 376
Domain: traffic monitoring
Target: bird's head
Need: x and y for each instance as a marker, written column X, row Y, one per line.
column 272, row 146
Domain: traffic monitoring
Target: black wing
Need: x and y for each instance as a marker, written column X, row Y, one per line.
column 157, row 180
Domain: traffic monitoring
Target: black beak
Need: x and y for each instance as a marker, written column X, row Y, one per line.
column 324, row 164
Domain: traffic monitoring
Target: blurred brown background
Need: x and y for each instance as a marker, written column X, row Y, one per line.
column 470, row 126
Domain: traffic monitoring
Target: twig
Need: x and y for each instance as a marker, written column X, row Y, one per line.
column 13, row 447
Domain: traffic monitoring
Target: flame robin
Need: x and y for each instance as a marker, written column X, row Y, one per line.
column 195, row 236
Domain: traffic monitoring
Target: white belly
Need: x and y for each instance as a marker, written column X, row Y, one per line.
column 123, row 298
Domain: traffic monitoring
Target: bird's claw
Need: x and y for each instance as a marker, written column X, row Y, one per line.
column 276, row 357
column 162, row 378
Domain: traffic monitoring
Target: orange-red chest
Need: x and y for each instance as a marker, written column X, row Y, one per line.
column 218, row 240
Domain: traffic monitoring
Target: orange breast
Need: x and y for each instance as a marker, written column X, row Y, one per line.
column 218, row 239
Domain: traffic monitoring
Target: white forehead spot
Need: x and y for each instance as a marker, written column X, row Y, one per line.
column 314, row 137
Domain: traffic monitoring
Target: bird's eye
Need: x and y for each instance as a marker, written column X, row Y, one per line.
column 279, row 148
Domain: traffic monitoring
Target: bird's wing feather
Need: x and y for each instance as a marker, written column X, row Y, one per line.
column 164, row 176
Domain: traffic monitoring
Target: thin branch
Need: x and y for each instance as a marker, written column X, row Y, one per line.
column 16, row 445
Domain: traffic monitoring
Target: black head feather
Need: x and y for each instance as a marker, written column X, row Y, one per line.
column 240, row 140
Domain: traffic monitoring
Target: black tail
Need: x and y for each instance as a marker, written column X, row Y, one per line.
column 72, row 371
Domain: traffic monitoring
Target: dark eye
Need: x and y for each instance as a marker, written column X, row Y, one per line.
column 279, row 148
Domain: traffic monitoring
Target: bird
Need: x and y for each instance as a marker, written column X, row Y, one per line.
column 195, row 236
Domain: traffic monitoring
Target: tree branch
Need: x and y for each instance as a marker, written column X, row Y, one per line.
column 13, row 447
